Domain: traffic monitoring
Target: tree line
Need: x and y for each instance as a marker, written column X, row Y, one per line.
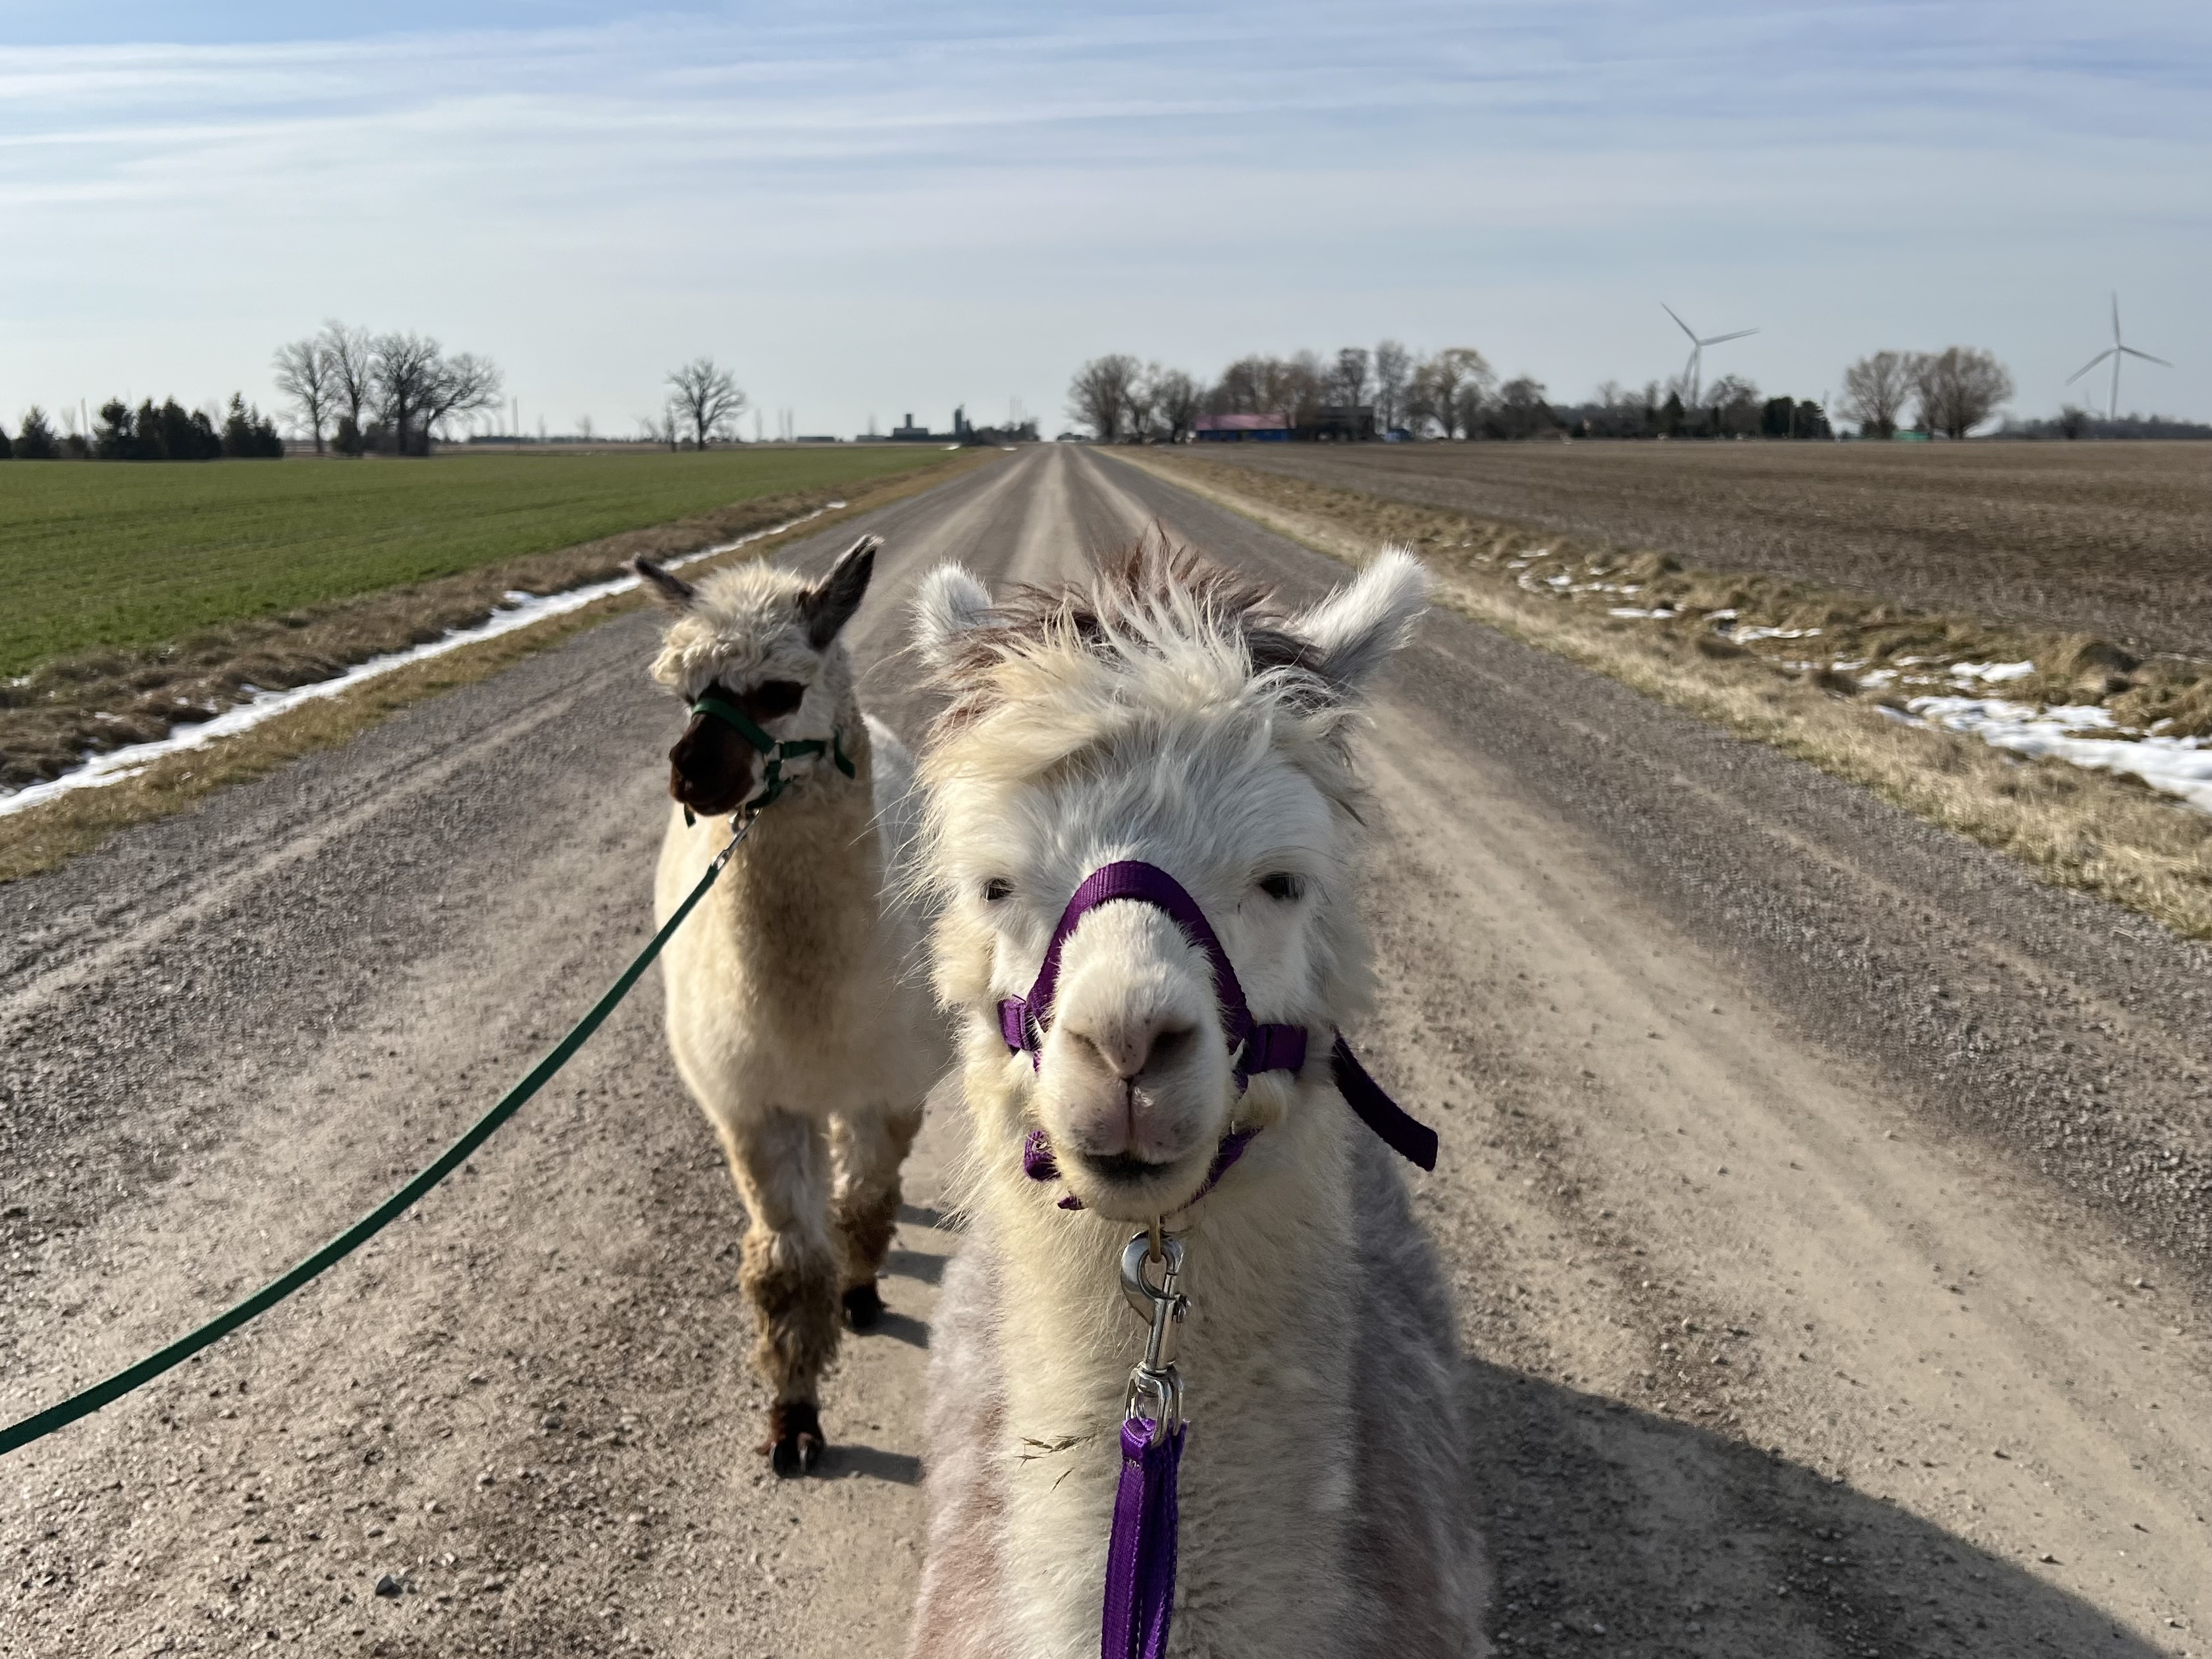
column 1391, row 391
column 382, row 394
column 151, row 431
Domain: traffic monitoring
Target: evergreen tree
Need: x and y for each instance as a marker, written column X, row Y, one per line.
column 116, row 437
column 247, row 435
column 7, row 449
column 35, row 442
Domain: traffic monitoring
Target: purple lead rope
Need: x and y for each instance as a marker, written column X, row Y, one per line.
column 1140, row 1562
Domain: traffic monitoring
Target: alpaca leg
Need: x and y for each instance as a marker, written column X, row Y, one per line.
column 868, row 1153
column 789, row 1274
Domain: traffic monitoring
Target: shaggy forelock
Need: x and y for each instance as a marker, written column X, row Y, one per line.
column 744, row 621
column 1158, row 638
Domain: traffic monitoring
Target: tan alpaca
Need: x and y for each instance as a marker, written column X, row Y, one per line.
column 1165, row 713
column 806, row 1043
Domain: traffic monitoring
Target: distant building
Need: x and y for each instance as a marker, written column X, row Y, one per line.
column 1341, row 423
column 1273, row 429
column 908, row 432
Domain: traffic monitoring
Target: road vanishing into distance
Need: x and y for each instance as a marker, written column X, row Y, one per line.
column 1821, row 1290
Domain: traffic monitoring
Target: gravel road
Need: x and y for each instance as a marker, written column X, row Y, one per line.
column 1825, row 1200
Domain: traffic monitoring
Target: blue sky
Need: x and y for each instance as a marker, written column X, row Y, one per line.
column 873, row 210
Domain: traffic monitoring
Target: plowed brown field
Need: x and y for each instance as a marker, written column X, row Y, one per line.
column 2114, row 539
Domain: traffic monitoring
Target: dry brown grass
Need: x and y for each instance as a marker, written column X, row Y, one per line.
column 2089, row 830
column 2113, row 539
column 42, row 837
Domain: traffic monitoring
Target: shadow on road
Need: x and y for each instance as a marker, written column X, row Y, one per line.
column 851, row 1462
column 1614, row 1531
column 900, row 1327
column 915, row 1264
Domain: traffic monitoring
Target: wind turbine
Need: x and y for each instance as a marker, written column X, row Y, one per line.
column 1694, row 372
column 2117, row 350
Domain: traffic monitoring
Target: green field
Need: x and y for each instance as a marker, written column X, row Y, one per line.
column 133, row 553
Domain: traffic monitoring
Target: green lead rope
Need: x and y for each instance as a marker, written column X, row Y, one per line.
column 773, row 782
column 100, row 1394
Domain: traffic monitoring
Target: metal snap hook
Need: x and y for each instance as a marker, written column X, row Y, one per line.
column 1155, row 1391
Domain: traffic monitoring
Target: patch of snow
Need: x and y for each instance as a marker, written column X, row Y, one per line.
column 2177, row 766
column 521, row 610
column 1744, row 634
column 1991, row 673
column 1720, row 616
column 1661, row 615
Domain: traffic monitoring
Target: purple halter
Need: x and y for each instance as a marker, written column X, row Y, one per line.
column 1140, row 1562
column 1258, row 1048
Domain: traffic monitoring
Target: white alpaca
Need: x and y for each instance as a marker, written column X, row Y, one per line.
column 791, row 1020
column 1164, row 713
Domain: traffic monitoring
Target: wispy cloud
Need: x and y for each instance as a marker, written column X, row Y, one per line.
column 872, row 210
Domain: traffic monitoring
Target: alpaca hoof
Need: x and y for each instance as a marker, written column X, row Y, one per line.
column 863, row 1306
column 795, row 1443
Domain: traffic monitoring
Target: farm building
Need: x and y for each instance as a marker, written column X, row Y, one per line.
column 1273, row 428
column 1341, row 423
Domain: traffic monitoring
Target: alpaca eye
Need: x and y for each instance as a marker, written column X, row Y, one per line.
column 773, row 697
column 1282, row 885
column 996, row 889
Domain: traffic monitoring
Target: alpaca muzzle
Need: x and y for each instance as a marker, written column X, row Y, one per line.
column 710, row 769
column 1134, row 1077
column 1251, row 1047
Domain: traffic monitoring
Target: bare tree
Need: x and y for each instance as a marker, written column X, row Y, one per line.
column 1099, row 394
column 1394, row 366
column 1176, row 398
column 1139, row 404
column 1522, row 410
column 1735, row 402
column 1348, row 381
column 462, row 386
column 403, row 368
column 1958, row 388
column 417, row 386
column 309, row 380
column 352, row 355
column 1305, row 380
column 1451, row 389
column 1875, row 388
column 705, row 397
column 661, row 429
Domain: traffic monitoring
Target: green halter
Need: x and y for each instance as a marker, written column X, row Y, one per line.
column 773, row 782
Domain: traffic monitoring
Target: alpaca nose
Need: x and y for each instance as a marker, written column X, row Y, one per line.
column 1130, row 1045
column 686, row 759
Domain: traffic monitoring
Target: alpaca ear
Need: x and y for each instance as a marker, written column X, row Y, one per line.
column 952, row 600
column 825, row 609
column 671, row 591
column 1355, row 629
